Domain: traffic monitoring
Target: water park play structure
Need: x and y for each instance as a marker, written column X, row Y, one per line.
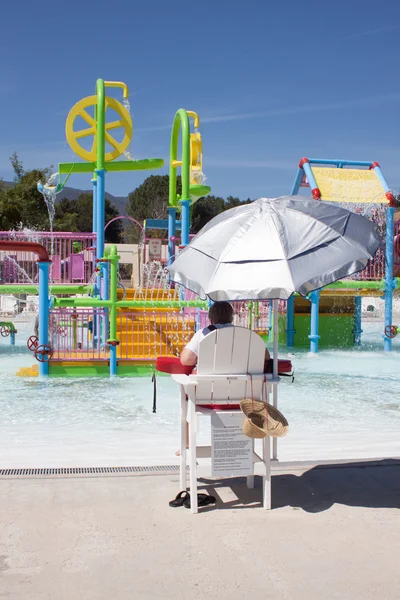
column 89, row 324
column 109, row 330
column 334, row 313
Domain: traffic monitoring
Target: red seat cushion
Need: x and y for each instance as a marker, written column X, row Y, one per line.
column 173, row 365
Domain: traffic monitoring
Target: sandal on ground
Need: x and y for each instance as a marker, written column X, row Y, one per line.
column 180, row 499
column 202, row 500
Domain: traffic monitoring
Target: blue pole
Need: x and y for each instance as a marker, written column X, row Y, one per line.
column 336, row 162
column 297, row 182
column 94, row 230
column 310, row 176
column 100, row 213
column 389, row 281
column 381, row 178
column 94, row 218
column 171, row 232
column 357, row 320
column 314, row 337
column 106, row 296
column 100, row 188
column 43, row 311
column 270, row 320
column 290, row 331
column 185, row 222
column 12, row 338
column 113, row 361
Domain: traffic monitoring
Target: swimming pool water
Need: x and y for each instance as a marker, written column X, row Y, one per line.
column 342, row 404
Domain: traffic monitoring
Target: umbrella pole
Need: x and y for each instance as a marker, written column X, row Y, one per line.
column 275, row 371
column 387, row 341
column 314, row 337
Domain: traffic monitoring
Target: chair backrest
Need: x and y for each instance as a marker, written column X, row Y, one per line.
column 230, row 351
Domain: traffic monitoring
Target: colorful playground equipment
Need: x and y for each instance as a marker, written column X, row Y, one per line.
column 334, row 313
column 193, row 179
column 111, row 329
column 89, row 324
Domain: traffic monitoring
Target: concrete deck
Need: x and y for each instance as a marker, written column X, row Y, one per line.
column 334, row 533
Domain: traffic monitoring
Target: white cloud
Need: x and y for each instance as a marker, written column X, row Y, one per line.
column 369, row 32
column 248, row 164
column 375, row 100
column 294, row 110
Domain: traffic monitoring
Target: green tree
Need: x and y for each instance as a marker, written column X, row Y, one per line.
column 233, row 201
column 204, row 210
column 22, row 202
column 25, row 204
column 10, row 213
column 67, row 217
column 76, row 215
column 18, row 166
column 209, row 207
column 149, row 201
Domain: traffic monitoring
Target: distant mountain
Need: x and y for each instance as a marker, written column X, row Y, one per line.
column 7, row 184
column 72, row 194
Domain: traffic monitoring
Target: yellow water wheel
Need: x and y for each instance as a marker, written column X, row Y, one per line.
column 89, row 130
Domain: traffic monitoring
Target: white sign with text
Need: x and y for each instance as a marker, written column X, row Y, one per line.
column 155, row 249
column 231, row 450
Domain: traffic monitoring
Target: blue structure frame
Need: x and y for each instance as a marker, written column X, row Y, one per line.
column 305, row 169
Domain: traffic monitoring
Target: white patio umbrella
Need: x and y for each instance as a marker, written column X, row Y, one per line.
column 274, row 247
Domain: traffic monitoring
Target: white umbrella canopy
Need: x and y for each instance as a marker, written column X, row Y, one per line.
column 274, row 247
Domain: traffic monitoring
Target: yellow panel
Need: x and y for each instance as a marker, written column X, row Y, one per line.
column 349, row 185
column 196, row 159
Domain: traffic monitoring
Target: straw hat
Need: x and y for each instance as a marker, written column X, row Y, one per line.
column 262, row 419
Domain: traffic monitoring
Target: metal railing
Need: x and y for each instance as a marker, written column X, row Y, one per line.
column 73, row 334
column 71, row 255
column 147, row 334
column 81, row 334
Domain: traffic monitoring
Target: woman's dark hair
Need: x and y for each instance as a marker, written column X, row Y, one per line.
column 220, row 313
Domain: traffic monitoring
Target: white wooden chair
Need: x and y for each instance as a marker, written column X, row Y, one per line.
column 230, row 367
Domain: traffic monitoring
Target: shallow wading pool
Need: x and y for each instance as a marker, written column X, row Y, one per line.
column 343, row 404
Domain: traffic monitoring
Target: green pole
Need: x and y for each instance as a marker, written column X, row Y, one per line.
column 113, row 258
column 82, row 302
column 54, row 289
column 181, row 121
column 250, row 315
column 100, row 121
column 10, row 326
column 357, row 285
column 96, row 303
column 162, row 304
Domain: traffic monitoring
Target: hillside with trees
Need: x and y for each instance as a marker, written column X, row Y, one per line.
column 22, row 205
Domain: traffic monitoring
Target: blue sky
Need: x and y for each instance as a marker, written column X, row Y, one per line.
column 272, row 82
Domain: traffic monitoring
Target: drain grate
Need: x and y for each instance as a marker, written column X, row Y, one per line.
column 88, row 470
column 172, row 469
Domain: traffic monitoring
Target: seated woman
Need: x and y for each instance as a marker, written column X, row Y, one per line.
column 220, row 315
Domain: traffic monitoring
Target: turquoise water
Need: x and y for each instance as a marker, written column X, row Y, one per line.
column 343, row 404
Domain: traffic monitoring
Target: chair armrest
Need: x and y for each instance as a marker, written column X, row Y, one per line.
column 180, row 379
column 229, row 377
column 194, row 379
